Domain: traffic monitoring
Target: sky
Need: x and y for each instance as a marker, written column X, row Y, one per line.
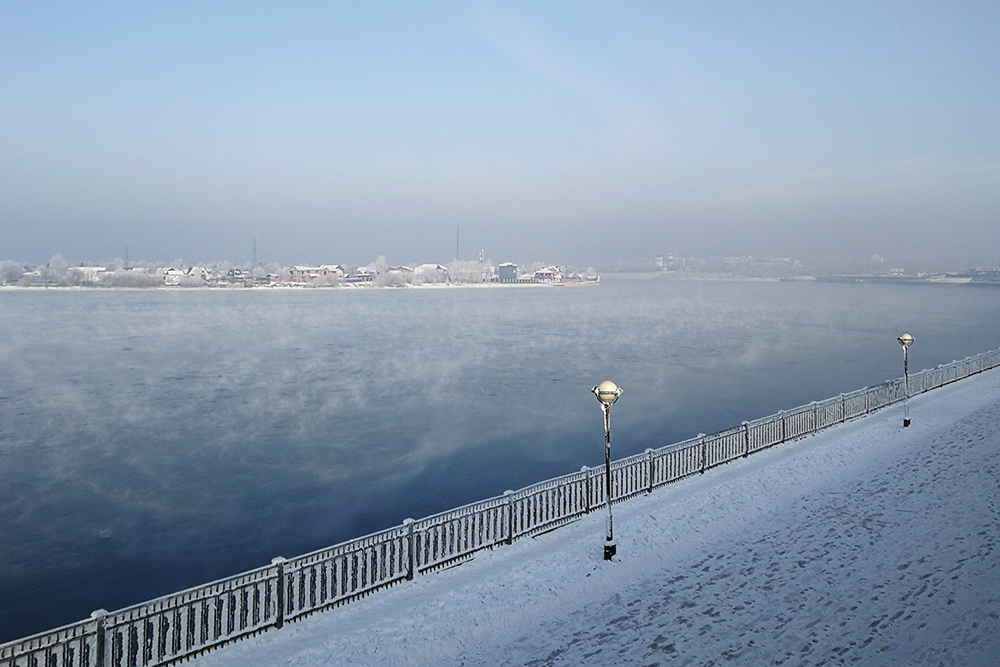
column 569, row 132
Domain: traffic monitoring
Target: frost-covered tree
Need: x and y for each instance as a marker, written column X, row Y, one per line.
column 329, row 280
column 469, row 272
column 379, row 266
column 219, row 268
column 55, row 271
column 274, row 269
column 126, row 278
column 394, row 279
column 529, row 269
column 428, row 274
column 10, row 272
column 191, row 281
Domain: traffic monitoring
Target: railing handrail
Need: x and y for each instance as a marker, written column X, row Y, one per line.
column 201, row 589
column 175, row 626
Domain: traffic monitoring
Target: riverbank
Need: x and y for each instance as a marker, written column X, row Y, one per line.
column 295, row 287
column 866, row 542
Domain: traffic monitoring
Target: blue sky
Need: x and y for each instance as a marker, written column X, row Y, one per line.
column 571, row 132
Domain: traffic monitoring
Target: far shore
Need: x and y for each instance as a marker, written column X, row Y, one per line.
column 684, row 276
column 284, row 287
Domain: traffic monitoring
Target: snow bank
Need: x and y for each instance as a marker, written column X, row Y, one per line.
column 866, row 543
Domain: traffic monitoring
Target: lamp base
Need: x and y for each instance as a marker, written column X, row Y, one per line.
column 906, row 422
column 610, row 549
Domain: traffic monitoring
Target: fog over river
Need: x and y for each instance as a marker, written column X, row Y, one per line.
column 150, row 441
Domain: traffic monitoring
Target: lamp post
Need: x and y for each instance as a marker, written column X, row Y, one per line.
column 607, row 393
column 906, row 340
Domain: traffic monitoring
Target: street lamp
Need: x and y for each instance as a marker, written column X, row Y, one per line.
column 906, row 340
column 607, row 393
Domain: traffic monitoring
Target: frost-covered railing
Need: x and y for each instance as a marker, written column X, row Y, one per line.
column 175, row 627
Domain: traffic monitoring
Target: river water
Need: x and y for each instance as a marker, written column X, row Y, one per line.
column 155, row 440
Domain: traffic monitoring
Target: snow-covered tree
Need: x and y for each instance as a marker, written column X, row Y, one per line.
column 136, row 278
column 55, row 271
column 529, row 269
column 10, row 272
column 394, row 279
column 379, row 266
column 460, row 271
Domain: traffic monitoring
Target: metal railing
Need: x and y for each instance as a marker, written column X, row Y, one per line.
column 176, row 627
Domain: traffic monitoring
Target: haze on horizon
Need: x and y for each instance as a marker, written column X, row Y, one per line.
column 576, row 132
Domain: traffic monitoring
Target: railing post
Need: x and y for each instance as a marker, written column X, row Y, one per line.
column 649, row 459
column 843, row 409
column 868, row 409
column 586, row 486
column 99, row 615
column 781, row 414
column 509, row 496
column 410, row 549
column 704, row 456
column 279, row 563
column 815, row 417
column 746, row 438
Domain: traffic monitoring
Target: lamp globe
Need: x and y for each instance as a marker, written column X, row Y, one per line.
column 607, row 392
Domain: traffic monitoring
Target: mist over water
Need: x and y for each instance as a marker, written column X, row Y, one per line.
column 152, row 441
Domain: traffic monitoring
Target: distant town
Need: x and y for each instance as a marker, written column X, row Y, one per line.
column 59, row 272
column 873, row 268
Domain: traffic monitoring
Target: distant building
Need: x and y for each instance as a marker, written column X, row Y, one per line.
column 173, row 277
column 548, row 275
column 333, row 270
column 303, row 274
column 659, row 261
column 507, row 272
column 362, row 275
column 199, row 272
column 306, row 274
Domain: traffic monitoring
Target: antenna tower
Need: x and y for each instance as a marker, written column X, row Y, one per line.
column 253, row 262
column 126, row 253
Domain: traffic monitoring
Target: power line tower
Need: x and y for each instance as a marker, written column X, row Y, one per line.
column 253, row 262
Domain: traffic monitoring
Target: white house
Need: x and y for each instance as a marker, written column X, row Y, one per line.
column 172, row 276
column 307, row 274
column 548, row 275
column 199, row 272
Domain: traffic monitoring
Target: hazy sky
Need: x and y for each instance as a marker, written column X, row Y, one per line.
column 569, row 132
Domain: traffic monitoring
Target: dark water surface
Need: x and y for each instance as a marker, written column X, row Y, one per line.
column 151, row 441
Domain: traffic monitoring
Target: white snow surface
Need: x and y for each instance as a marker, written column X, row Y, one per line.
column 866, row 544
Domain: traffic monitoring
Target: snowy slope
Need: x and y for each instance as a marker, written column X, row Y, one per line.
column 865, row 544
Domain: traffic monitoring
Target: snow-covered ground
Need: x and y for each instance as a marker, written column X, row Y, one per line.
column 867, row 544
